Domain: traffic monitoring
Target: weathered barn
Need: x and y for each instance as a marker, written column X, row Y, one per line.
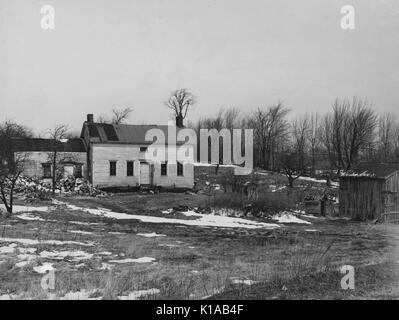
column 37, row 155
column 369, row 192
column 116, row 154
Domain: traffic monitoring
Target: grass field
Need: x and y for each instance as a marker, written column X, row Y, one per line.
column 134, row 246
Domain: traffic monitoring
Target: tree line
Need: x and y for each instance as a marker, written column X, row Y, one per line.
column 332, row 142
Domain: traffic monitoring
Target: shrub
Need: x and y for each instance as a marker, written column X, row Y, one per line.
column 267, row 202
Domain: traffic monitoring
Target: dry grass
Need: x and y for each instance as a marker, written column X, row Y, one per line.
column 191, row 262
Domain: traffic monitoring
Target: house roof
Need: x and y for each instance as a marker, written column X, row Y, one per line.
column 123, row 133
column 373, row 170
column 37, row 144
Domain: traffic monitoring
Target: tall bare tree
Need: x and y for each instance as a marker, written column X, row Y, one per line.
column 348, row 131
column 180, row 101
column 300, row 127
column 9, row 174
column 118, row 116
column 387, row 134
column 56, row 134
column 270, row 131
column 10, row 165
column 314, row 137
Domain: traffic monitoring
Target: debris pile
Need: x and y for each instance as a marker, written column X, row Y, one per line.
column 34, row 188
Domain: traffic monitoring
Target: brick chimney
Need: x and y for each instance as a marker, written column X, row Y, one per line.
column 90, row 118
column 179, row 121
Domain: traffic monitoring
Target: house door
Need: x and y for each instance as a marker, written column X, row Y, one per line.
column 144, row 173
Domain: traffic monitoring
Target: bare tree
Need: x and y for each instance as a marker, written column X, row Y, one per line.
column 348, row 131
column 180, row 101
column 121, row 115
column 118, row 116
column 387, row 134
column 270, row 132
column 289, row 162
column 314, row 138
column 57, row 134
column 9, row 174
column 8, row 130
column 10, row 165
column 300, row 127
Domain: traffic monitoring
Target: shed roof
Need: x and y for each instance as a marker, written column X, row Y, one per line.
column 38, row 144
column 373, row 170
column 123, row 133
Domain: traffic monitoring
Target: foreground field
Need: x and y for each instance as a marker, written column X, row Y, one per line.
column 135, row 246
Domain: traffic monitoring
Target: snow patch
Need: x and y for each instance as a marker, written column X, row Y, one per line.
column 18, row 209
column 80, row 295
column 138, row 260
column 151, row 235
column 80, row 232
column 288, row 217
column 44, row 268
column 243, row 281
column 140, row 293
column 203, row 219
column 8, row 249
column 60, row 255
column 51, row 242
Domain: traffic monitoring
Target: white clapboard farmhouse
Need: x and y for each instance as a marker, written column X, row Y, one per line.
column 110, row 156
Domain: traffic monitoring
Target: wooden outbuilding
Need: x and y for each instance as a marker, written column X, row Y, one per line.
column 370, row 192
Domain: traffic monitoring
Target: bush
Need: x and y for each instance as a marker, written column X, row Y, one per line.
column 267, row 202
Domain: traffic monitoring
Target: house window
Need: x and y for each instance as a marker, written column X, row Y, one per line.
column 78, row 171
column 164, row 169
column 112, row 168
column 46, row 170
column 179, row 169
column 143, row 149
column 129, row 168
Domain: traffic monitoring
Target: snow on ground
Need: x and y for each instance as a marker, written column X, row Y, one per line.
column 29, row 217
column 151, row 235
column 80, row 295
column 24, row 259
column 138, row 294
column 333, row 183
column 104, row 253
column 311, row 230
column 44, row 268
column 243, row 281
column 106, row 266
column 8, row 249
column 76, row 255
column 309, row 216
column 138, row 260
column 203, row 219
column 8, row 297
column 288, row 217
column 274, row 188
column 80, row 232
column 85, row 223
column 51, row 242
column 17, row 209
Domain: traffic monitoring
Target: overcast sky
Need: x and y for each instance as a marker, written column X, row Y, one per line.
column 106, row 54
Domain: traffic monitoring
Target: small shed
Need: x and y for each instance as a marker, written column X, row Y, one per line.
column 370, row 191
